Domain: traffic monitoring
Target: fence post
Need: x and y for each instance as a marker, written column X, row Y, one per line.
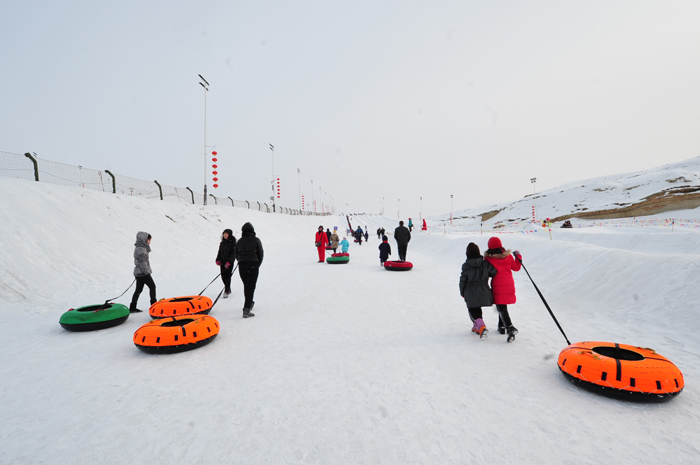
column 160, row 189
column 232, row 204
column 247, row 205
column 259, row 206
column 212, row 196
column 267, row 209
column 114, row 181
column 36, row 165
column 191, row 193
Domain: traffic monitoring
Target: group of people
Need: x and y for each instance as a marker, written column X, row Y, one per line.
column 498, row 265
column 247, row 250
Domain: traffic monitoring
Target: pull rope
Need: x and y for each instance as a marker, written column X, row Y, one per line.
column 109, row 300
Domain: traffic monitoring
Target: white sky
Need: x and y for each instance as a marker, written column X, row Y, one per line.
column 370, row 99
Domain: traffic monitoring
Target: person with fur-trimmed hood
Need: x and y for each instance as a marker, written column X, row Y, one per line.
column 503, row 285
column 249, row 253
column 225, row 259
column 474, row 287
column 142, row 270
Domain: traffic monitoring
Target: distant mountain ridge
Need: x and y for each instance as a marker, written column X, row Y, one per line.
column 669, row 187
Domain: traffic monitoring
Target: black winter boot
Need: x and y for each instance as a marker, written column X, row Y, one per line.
column 247, row 314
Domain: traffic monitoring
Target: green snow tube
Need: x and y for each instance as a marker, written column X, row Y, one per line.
column 338, row 258
column 93, row 317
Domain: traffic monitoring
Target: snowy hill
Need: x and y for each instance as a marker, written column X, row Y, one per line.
column 342, row 364
column 664, row 189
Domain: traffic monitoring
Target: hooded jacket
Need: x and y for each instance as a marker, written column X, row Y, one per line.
column 345, row 245
column 334, row 240
column 249, row 248
column 384, row 251
column 502, row 284
column 474, row 282
column 142, row 249
column 227, row 249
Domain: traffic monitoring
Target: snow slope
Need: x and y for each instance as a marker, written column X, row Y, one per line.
column 603, row 193
column 342, row 364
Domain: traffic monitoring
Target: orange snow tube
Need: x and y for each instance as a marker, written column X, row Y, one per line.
column 621, row 371
column 176, row 334
column 180, row 306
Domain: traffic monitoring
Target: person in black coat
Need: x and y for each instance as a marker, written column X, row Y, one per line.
column 384, row 250
column 225, row 259
column 403, row 237
column 249, row 253
column 474, row 286
column 328, row 234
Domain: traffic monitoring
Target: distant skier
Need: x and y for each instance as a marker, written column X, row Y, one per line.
column 474, row 287
column 321, row 243
column 402, row 236
column 410, row 225
column 225, row 259
column 384, row 250
column 345, row 245
column 249, row 253
column 502, row 284
column 142, row 270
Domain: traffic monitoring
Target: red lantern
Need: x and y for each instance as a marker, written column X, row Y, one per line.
column 215, row 186
column 214, row 173
column 214, row 166
column 214, row 160
column 213, row 153
column 216, row 179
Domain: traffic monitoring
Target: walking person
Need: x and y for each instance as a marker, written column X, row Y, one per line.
column 142, row 270
column 379, row 233
column 321, row 243
column 403, row 237
column 410, row 225
column 502, row 284
column 384, row 250
column 474, row 287
column 225, row 258
column 328, row 235
column 249, row 253
column 334, row 240
column 345, row 245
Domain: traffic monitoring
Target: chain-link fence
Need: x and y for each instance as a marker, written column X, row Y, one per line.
column 32, row 168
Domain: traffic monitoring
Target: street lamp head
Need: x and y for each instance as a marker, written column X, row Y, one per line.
column 202, row 78
column 533, row 180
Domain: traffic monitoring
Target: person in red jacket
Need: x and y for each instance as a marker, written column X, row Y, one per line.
column 321, row 243
column 502, row 284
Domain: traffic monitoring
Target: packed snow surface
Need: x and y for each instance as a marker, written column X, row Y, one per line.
column 342, row 364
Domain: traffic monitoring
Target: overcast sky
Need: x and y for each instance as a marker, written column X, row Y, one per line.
column 370, row 99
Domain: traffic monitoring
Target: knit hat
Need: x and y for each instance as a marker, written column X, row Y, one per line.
column 384, row 238
column 495, row 243
column 473, row 250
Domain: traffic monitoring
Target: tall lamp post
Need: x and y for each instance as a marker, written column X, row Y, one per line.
column 205, row 85
column 272, row 149
column 534, row 202
column 398, row 213
column 299, row 171
column 313, row 205
column 420, row 215
column 452, row 207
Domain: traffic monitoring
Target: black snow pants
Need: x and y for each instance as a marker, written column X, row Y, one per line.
column 503, row 317
column 140, row 282
column 248, row 272
column 226, row 277
column 402, row 251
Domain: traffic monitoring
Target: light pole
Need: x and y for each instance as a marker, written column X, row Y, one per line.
column 534, row 202
column 420, row 217
column 312, row 196
column 272, row 150
column 452, row 208
column 398, row 213
column 205, row 85
column 299, row 171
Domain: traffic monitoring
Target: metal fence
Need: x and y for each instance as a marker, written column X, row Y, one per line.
column 32, row 168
